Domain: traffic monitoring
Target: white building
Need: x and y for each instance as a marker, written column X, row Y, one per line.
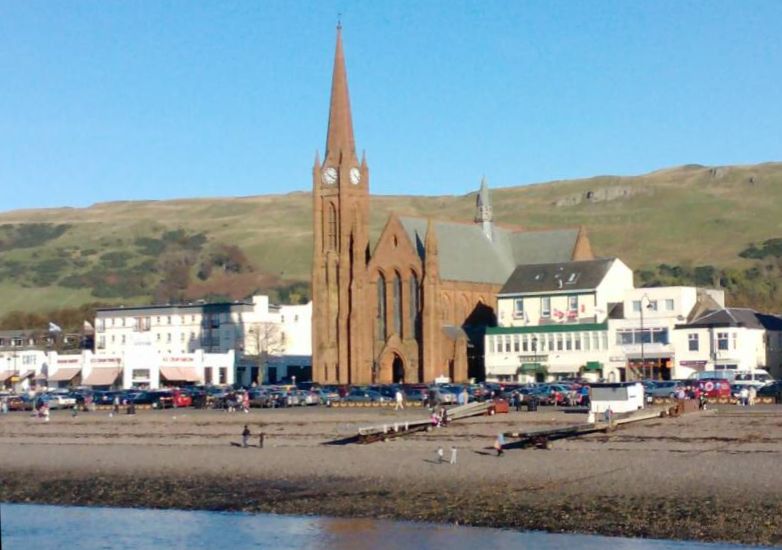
column 642, row 328
column 553, row 321
column 265, row 341
column 729, row 339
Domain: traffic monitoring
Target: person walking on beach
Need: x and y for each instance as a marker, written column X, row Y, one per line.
column 245, row 436
column 246, row 402
column 453, row 454
column 116, row 404
column 440, row 455
column 260, row 440
column 399, row 400
column 499, row 443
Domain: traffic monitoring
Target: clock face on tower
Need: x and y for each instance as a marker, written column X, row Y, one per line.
column 355, row 176
column 329, row 175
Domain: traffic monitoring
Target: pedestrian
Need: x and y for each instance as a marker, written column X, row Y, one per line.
column 45, row 409
column 453, row 454
column 440, row 455
column 4, row 406
column 517, row 401
column 399, row 400
column 74, row 410
column 246, row 402
column 753, row 394
column 116, row 404
column 260, row 440
column 608, row 415
column 499, row 443
column 245, row 436
column 744, row 396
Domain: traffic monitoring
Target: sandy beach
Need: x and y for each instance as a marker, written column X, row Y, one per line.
column 706, row 476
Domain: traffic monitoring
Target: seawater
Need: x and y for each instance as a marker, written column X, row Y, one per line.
column 25, row 526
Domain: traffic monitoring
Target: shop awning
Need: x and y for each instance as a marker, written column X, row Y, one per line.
column 5, row 375
column 180, row 374
column 595, row 366
column 26, row 374
column 64, row 374
column 532, row 368
column 102, row 377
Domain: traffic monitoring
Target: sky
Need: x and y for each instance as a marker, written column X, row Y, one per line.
column 106, row 100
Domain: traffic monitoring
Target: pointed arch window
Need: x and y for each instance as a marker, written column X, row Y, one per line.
column 381, row 308
column 414, row 304
column 331, row 229
column 397, row 303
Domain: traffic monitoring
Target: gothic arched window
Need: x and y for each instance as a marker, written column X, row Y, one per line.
column 332, row 227
column 381, row 307
column 414, row 304
column 397, row 304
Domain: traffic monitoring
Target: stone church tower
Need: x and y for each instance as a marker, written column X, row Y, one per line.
column 341, row 216
column 415, row 307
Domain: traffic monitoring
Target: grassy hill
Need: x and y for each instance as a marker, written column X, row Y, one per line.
column 664, row 224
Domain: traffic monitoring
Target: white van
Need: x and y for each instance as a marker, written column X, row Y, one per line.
column 757, row 378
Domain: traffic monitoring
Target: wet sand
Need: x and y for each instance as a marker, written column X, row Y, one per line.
column 707, row 476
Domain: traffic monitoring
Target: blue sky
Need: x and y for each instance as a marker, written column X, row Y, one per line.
column 109, row 100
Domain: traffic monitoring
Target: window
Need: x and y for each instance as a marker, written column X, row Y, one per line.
column 637, row 306
column 140, row 374
column 587, row 342
column 331, row 231
column 182, row 337
column 168, row 319
column 507, row 344
column 123, row 338
column 722, row 341
column 692, row 340
column 545, row 306
column 381, row 308
column 518, row 308
column 559, row 342
column 572, row 304
column 652, row 306
column 158, row 337
column 168, row 337
column 524, row 344
column 669, row 305
column 516, row 343
column 101, row 342
column 498, row 341
column 414, row 307
column 123, row 321
column 568, row 342
column 397, row 304
column 100, row 325
column 577, row 342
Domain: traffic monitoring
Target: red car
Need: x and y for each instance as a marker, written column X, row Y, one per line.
column 714, row 388
column 181, row 399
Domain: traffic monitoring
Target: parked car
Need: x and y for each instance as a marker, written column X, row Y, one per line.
column 714, row 387
column 662, row 388
column 362, row 395
column 159, row 399
column 772, row 390
column 181, row 398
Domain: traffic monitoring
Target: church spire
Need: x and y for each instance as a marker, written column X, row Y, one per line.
column 483, row 210
column 339, row 140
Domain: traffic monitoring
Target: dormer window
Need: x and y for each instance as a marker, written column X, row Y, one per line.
column 572, row 278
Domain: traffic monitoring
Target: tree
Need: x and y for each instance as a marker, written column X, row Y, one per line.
column 264, row 340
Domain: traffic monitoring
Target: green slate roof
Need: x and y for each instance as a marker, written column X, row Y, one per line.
column 467, row 254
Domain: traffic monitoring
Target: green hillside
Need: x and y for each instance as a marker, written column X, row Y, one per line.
column 676, row 225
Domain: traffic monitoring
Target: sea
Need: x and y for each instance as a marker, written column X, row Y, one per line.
column 25, row 526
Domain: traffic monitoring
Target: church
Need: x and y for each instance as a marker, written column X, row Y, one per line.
column 413, row 306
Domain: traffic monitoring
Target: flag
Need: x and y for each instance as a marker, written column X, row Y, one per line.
column 54, row 328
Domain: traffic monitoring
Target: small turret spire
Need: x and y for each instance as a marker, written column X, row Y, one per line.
column 483, row 210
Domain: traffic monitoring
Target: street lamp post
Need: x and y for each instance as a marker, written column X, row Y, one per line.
column 643, row 358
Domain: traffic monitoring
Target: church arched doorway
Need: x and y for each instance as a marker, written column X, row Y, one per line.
column 397, row 370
